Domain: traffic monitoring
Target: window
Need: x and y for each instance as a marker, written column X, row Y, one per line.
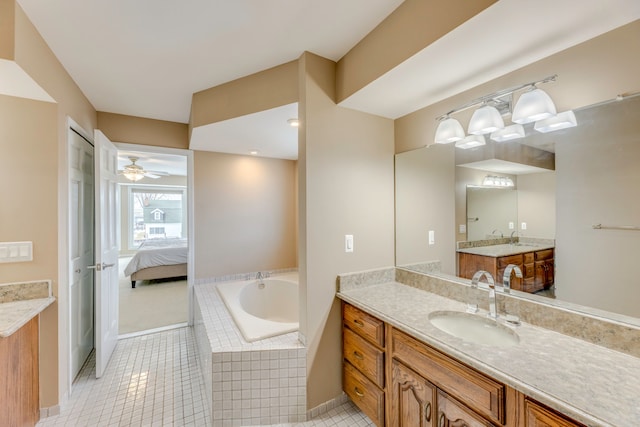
column 151, row 205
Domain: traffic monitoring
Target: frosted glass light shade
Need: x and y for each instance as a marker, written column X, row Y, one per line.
column 471, row 141
column 566, row 119
column 532, row 106
column 485, row 119
column 508, row 133
column 449, row 130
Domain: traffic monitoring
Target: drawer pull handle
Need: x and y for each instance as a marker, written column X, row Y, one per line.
column 358, row 355
column 427, row 411
column 358, row 392
column 359, row 323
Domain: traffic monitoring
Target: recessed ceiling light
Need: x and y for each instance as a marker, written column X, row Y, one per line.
column 254, row 152
column 294, row 122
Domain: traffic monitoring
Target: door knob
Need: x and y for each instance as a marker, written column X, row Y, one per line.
column 100, row 267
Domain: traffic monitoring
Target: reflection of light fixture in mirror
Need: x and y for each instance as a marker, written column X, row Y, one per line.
column 497, row 181
column 449, row 130
column 508, row 133
column 532, row 106
column 485, row 119
column 471, row 141
column 566, row 119
column 293, row 122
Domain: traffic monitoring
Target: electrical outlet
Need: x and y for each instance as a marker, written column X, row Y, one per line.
column 462, row 228
column 523, row 226
column 511, row 225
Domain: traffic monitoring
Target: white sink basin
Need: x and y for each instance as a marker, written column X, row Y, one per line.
column 474, row 328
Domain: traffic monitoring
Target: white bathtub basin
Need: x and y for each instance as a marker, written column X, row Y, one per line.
column 262, row 312
column 474, row 328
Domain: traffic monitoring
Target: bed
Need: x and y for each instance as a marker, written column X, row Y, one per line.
column 158, row 259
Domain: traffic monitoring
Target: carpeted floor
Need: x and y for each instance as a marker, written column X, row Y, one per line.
column 152, row 304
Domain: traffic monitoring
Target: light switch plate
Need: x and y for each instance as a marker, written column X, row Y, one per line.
column 348, row 242
column 16, row 251
column 432, row 237
column 462, row 228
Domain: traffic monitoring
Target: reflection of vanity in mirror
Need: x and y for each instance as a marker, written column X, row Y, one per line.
column 584, row 208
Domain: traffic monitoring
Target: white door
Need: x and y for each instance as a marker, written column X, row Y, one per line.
column 106, row 254
column 81, row 247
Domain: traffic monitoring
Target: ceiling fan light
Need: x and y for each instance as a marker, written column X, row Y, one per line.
column 471, row 141
column 484, row 120
column 564, row 120
column 532, row 106
column 133, row 175
column 508, row 133
column 449, row 130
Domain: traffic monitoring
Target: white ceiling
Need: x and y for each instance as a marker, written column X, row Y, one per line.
column 146, row 57
column 504, row 167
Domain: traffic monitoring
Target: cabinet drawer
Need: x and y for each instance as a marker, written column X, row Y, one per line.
column 364, row 356
column 453, row 413
column 528, row 258
column 538, row 416
column 544, row 255
column 511, row 259
column 482, row 394
column 529, row 269
column 364, row 324
column 365, row 394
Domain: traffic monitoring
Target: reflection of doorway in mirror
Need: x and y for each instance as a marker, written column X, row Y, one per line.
column 491, row 212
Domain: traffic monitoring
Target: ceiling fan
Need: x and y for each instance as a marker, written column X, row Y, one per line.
column 134, row 172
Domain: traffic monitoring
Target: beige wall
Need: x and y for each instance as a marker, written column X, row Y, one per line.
column 413, row 26
column 244, row 214
column 139, row 130
column 346, row 187
column 28, row 212
column 261, row 91
column 45, row 147
column 424, row 201
column 537, row 205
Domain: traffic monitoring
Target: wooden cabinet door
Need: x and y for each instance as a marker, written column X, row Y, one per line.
column 452, row 413
column 413, row 398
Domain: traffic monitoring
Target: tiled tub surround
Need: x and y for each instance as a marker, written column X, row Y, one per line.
column 21, row 302
column 258, row 383
column 590, row 383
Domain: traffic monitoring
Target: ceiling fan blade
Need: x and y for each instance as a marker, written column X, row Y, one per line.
column 151, row 175
column 159, row 173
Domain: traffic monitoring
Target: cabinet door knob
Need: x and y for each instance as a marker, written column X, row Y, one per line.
column 358, row 392
column 358, row 355
column 427, row 411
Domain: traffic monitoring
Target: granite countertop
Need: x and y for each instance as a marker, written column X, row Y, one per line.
column 592, row 384
column 21, row 302
column 504, row 250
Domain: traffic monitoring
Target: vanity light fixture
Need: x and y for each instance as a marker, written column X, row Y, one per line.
column 508, row 133
column 293, row 122
column 485, row 119
column 471, row 141
column 534, row 105
column 449, row 130
column 564, row 120
column 497, row 181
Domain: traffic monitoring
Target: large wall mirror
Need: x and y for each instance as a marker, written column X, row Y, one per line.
column 588, row 203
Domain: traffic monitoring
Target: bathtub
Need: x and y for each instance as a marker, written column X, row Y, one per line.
column 262, row 311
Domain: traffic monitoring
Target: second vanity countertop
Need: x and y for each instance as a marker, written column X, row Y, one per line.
column 504, row 250
column 14, row 315
column 592, row 384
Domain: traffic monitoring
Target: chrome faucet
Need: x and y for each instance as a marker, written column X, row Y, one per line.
column 512, row 239
column 490, row 285
column 506, row 278
column 494, row 232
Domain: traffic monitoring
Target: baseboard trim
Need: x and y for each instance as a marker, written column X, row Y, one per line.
column 51, row 411
column 327, row 406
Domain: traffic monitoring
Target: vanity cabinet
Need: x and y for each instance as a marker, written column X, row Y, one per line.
column 363, row 352
column 399, row 381
column 19, row 390
column 537, row 268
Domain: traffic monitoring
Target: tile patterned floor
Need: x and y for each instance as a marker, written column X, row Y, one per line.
column 153, row 380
